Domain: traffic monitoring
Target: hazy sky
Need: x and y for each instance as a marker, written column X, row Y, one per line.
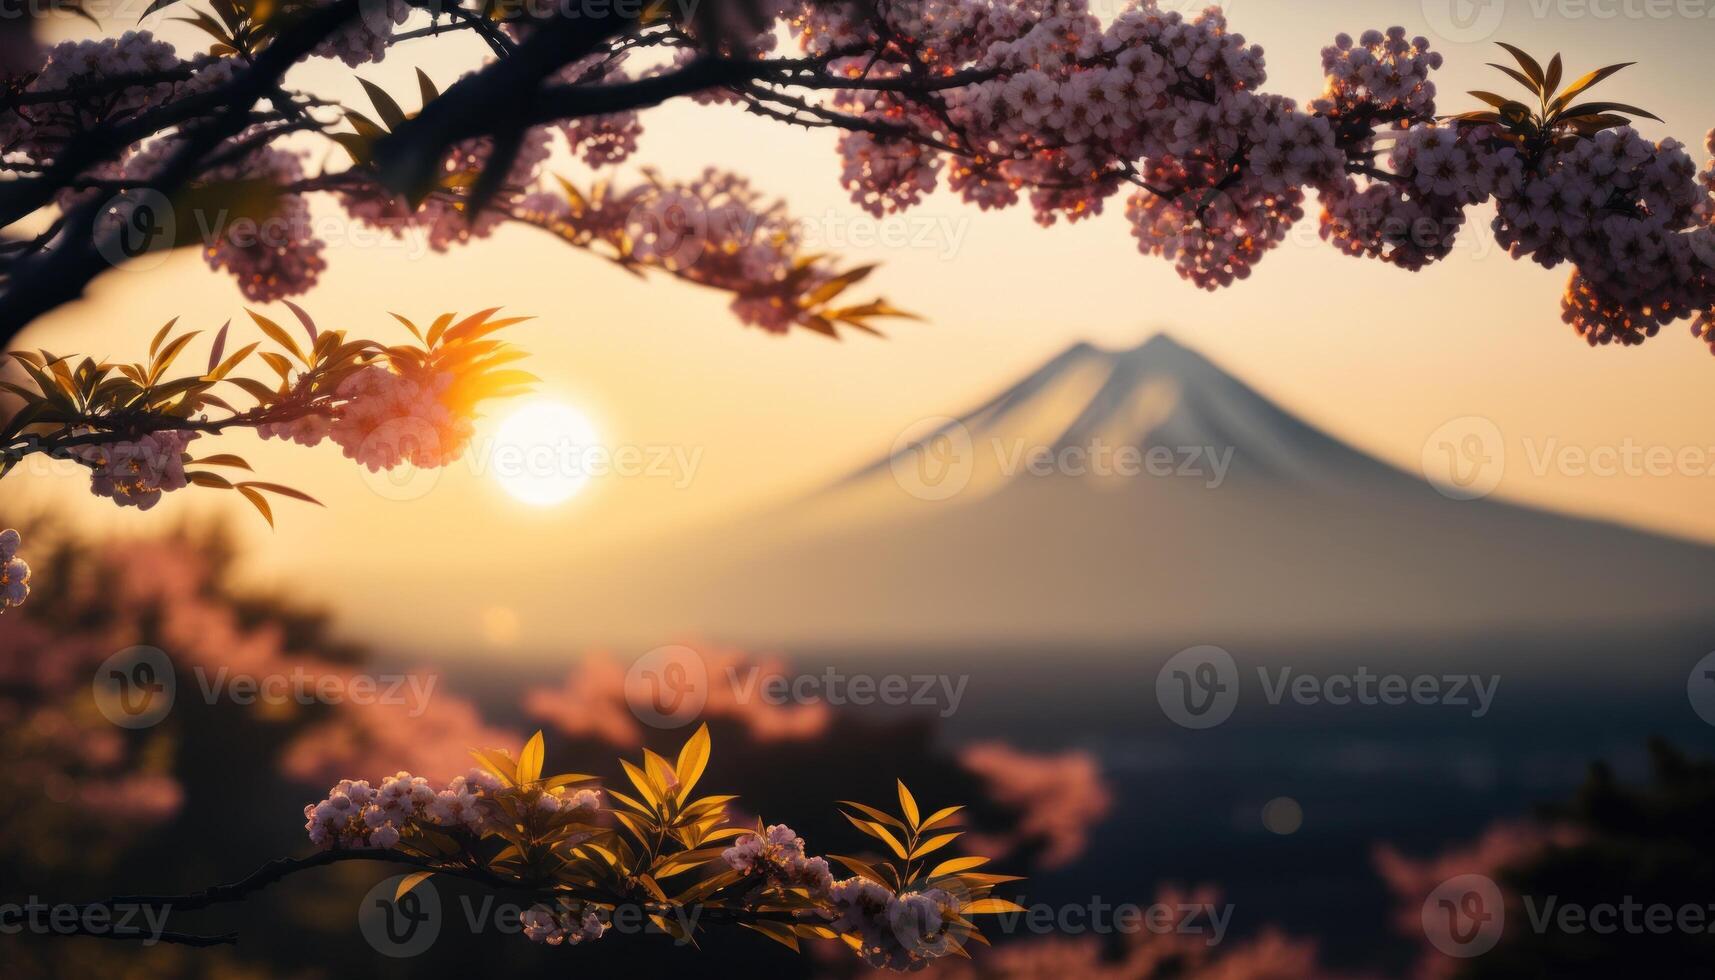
column 1380, row 357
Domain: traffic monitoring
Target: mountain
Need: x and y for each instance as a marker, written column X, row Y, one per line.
column 1117, row 496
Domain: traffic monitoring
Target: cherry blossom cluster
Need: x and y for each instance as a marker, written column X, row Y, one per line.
column 386, row 419
column 777, row 856
column 39, row 131
column 716, row 230
column 1381, row 74
column 606, row 140
column 365, row 38
column 389, row 418
column 269, row 249
column 565, row 927
column 134, row 473
column 14, row 573
column 356, row 814
column 277, row 256
column 443, row 217
column 896, row 932
column 1076, row 110
column 1037, row 103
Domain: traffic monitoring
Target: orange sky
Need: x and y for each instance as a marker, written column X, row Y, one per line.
column 1380, row 357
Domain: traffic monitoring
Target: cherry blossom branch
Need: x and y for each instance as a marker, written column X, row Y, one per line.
column 61, row 275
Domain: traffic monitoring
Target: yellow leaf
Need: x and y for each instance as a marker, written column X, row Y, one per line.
column 227, row 365
column 693, row 759
column 953, row 866
column 776, row 931
column 935, row 843
column 880, row 833
column 261, row 505
column 990, row 906
column 411, row 881
column 874, row 814
column 498, row 763
column 939, row 816
column 907, row 804
column 641, row 781
column 161, row 335
column 277, row 333
column 530, row 760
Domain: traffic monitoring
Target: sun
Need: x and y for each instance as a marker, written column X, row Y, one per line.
column 540, row 453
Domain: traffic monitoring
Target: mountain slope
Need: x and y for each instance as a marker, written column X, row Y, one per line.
column 1114, row 496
